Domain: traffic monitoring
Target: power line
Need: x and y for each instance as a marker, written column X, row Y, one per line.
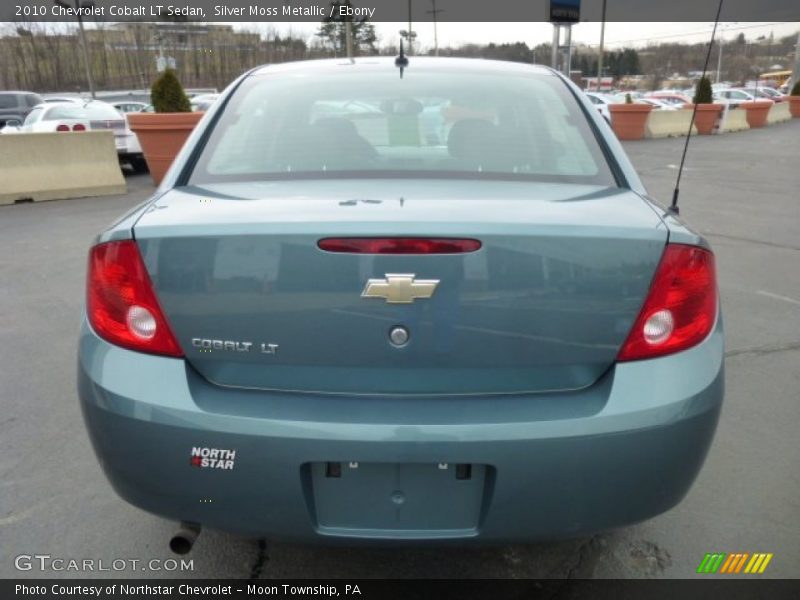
column 687, row 33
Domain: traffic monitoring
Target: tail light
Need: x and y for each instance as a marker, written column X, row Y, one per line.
column 79, row 127
column 399, row 245
column 681, row 306
column 120, row 302
column 62, row 127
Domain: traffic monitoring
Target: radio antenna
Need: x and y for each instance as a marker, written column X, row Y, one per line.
column 401, row 62
column 673, row 208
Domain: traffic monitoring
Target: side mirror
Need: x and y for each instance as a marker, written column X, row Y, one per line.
column 13, row 123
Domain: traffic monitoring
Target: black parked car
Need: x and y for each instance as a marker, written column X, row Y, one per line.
column 17, row 105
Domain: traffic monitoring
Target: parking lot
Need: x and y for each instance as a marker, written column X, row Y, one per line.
column 740, row 190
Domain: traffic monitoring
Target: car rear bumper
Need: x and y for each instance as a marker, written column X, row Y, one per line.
column 542, row 466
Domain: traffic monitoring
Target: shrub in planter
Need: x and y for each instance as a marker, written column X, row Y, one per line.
column 794, row 100
column 707, row 112
column 703, row 94
column 163, row 133
column 167, row 94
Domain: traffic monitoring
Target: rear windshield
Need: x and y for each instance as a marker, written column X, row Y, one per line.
column 33, row 116
column 90, row 112
column 373, row 123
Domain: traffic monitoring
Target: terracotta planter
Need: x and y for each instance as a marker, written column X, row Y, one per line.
column 756, row 112
column 628, row 120
column 794, row 106
column 706, row 116
column 161, row 136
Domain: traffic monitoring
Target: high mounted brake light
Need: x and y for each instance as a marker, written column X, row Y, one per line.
column 681, row 306
column 399, row 245
column 120, row 302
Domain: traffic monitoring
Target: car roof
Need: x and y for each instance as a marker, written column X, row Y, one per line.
column 426, row 63
column 72, row 104
column 54, row 104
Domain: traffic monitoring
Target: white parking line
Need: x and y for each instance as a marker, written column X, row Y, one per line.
column 778, row 297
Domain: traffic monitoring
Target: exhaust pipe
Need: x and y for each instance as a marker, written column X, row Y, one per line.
column 182, row 540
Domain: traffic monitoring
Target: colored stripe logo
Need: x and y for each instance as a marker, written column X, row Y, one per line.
column 734, row 563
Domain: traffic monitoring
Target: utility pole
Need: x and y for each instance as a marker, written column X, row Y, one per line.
column 348, row 35
column 80, row 6
column 796, row 70
column 410, row 30
column 85, row 51
column 433, row 12
column 409, row 34
column 719, row 57
column 602, row 41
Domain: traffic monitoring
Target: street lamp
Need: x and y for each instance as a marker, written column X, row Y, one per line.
column 600, row 52
column 409, row 36
column 435, row 12
column 79, row 6
column 722, row 43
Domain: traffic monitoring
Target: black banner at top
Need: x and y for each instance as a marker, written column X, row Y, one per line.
column 394, row 10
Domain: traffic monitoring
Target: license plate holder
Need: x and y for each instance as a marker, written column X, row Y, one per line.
column 398, row 499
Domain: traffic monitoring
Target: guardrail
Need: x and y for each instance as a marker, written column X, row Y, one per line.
column 51, row 166
column 668, row 123
column 734, row 119
column 779, row 113
column 675, row 123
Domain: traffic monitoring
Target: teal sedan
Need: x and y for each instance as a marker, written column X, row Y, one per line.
column 381, row 306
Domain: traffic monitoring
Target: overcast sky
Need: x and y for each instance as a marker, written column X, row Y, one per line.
column 617, row 34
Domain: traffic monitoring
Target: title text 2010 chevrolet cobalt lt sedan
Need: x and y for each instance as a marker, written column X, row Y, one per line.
column 436, row 306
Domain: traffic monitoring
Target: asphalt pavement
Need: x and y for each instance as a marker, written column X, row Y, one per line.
column 740, row 190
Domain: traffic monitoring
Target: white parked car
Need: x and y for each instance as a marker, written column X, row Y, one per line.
column 50, row 117
column 733, row 97
column 601, row 102
column 203, row 102
column 766, row 93
column 129, row 106
column 658, row 104
column 677, row 99
column 91, row 115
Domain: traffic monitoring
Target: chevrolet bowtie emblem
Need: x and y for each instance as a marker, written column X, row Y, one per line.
column 400, row 288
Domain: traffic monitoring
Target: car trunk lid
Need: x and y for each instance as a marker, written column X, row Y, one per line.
column 544, row 304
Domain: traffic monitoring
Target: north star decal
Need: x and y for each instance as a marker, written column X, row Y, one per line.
column 213, row 458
